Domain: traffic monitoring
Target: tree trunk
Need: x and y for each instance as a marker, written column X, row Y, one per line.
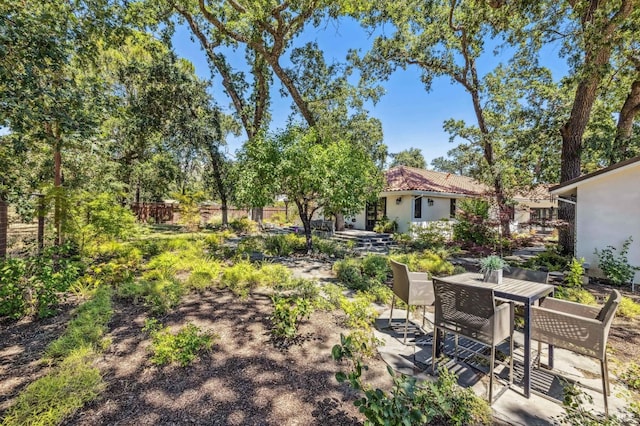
column 624, row 130
column 570, row 160
column 225, row 212
column 57, row 183
column 256, row 215
column 339, row 222
column 305, row 217
column 4, row 224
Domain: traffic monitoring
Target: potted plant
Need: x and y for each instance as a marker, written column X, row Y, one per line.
column 491, row 267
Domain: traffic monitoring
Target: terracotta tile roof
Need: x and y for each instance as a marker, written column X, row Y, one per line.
column 539, row 192
column 404, row 178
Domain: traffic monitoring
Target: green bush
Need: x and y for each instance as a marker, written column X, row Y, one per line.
column 204, row 274
column 106, row 219
column 274, row 275
column 628, row 308
column 386, row 226
column 409, row 401
column 573, row 278
column 616, row 267
column 575, row 294
column 434, row 235
column 359, row 310
column 87, row 328
column 158, row 293
column 328, row 247
column 349, row 273
column 243, row 225
column 53, row 398
column 240, row 278
column 473, row 226
column 550, row 259
column 278, row 245
column 181, row 348
column 12, row 289
column 631, row 376
column 377, row 267
column 249, row 245
column 288, row 312
column 426, row 261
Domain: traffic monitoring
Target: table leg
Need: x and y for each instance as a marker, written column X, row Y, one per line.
column 527, row 350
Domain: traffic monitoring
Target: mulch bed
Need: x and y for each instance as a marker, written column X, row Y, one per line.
column 246, row 379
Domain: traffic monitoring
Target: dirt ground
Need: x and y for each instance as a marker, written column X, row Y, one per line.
column 244, row 380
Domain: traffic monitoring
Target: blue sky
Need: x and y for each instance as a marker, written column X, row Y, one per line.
column 410, row 116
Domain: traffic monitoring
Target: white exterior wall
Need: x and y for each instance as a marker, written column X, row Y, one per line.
column 608, row 212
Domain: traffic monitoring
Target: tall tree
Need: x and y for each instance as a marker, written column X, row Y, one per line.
column 411, row 157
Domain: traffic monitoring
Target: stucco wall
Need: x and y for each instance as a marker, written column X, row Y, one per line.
column 608, row 212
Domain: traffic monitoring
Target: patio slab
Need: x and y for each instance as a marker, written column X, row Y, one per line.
column 511, row 408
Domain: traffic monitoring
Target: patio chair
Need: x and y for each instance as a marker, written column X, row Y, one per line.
column 526, row 275
column 413, row 288
column 470, row 311
column 576, row 327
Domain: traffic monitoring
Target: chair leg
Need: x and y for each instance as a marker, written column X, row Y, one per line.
column 393, row 302
column 455, row 343
column 605, row 386
column 539, row 352
column 491, row 366
column 434, row 348
column 406, row 325
column 511, row 345
column 424, row 310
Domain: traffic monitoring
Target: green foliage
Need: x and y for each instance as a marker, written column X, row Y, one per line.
column 53, row 398
column 631, row 376
column 575, row 414
column 102, row 218
column 159, row 294
column 287, row 314
column 274, row 275
column 87, row 328
column 329, row 247
column 550, row 259
column 492, row 263
column 189, row 209
column 240, row 278
column 575, row 294
column 364, row 274
column 243, row 225
column 628, row 308
column 249, row 245
column 433, row 235
column 12, row 288
column 411, row 157
column 181, row 348
column 360, row 312
column 204, row 274
column 473, row 227
column 409, row 401
column 573, row 278
column 386, row 226
column 284, row 245
column 616, row 267
column 426, row 261
column 37, row 283
column 349, row 273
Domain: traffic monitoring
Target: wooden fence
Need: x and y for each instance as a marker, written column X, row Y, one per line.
column 170, row 213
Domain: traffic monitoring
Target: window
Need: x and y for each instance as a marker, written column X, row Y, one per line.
column 417, row 208
column 452, row 208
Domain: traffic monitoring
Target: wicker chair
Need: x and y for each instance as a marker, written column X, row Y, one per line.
column 576, row 327
column 526, row 274
column 413, row 288
column 471, row 311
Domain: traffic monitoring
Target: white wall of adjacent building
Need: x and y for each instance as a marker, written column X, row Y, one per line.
column 608, row 212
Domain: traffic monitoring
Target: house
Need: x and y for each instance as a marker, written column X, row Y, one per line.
column 535, row 206
column 607, row 209
column 415, row 196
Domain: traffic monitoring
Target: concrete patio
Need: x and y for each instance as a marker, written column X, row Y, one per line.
column 511, row 408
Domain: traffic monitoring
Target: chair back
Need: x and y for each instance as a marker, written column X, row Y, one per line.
column 400, row 280
column 465, row 309
column 526, row 275
column 608, row 312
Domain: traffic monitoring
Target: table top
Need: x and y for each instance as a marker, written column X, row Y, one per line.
column 511, row 288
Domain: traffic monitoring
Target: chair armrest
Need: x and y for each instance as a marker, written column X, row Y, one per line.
column 568, row 307
column 586, row 336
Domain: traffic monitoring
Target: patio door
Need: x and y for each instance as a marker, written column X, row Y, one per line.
column 375, row 212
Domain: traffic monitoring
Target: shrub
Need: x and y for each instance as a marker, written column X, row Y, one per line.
column 106, row 219
column 434, row 235
column 576, row 414
column 12, row 289
column 473, row 226
column 54, row 397
column 410, row 401
column 573, row 278
column 278, row 245
column 628, row 308
column 616, row 267
column 349, row 273
column 360, row 313
column 249, row 245
column 204, row 274
column 273, row 275
column 87, row 328
column 386, row 226
column 287, row 314
column 240, row 278
column 158, row 293
column 328, row 247
column 181, row 348
column 550, row 259
column 575, row 294
column 426, row 261
column 243, row 225
column 631, row 376
column 376, row 267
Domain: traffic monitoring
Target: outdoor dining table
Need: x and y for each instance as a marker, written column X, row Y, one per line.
column 515, row 290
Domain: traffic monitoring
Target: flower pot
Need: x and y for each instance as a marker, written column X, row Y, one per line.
column 493, row 276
